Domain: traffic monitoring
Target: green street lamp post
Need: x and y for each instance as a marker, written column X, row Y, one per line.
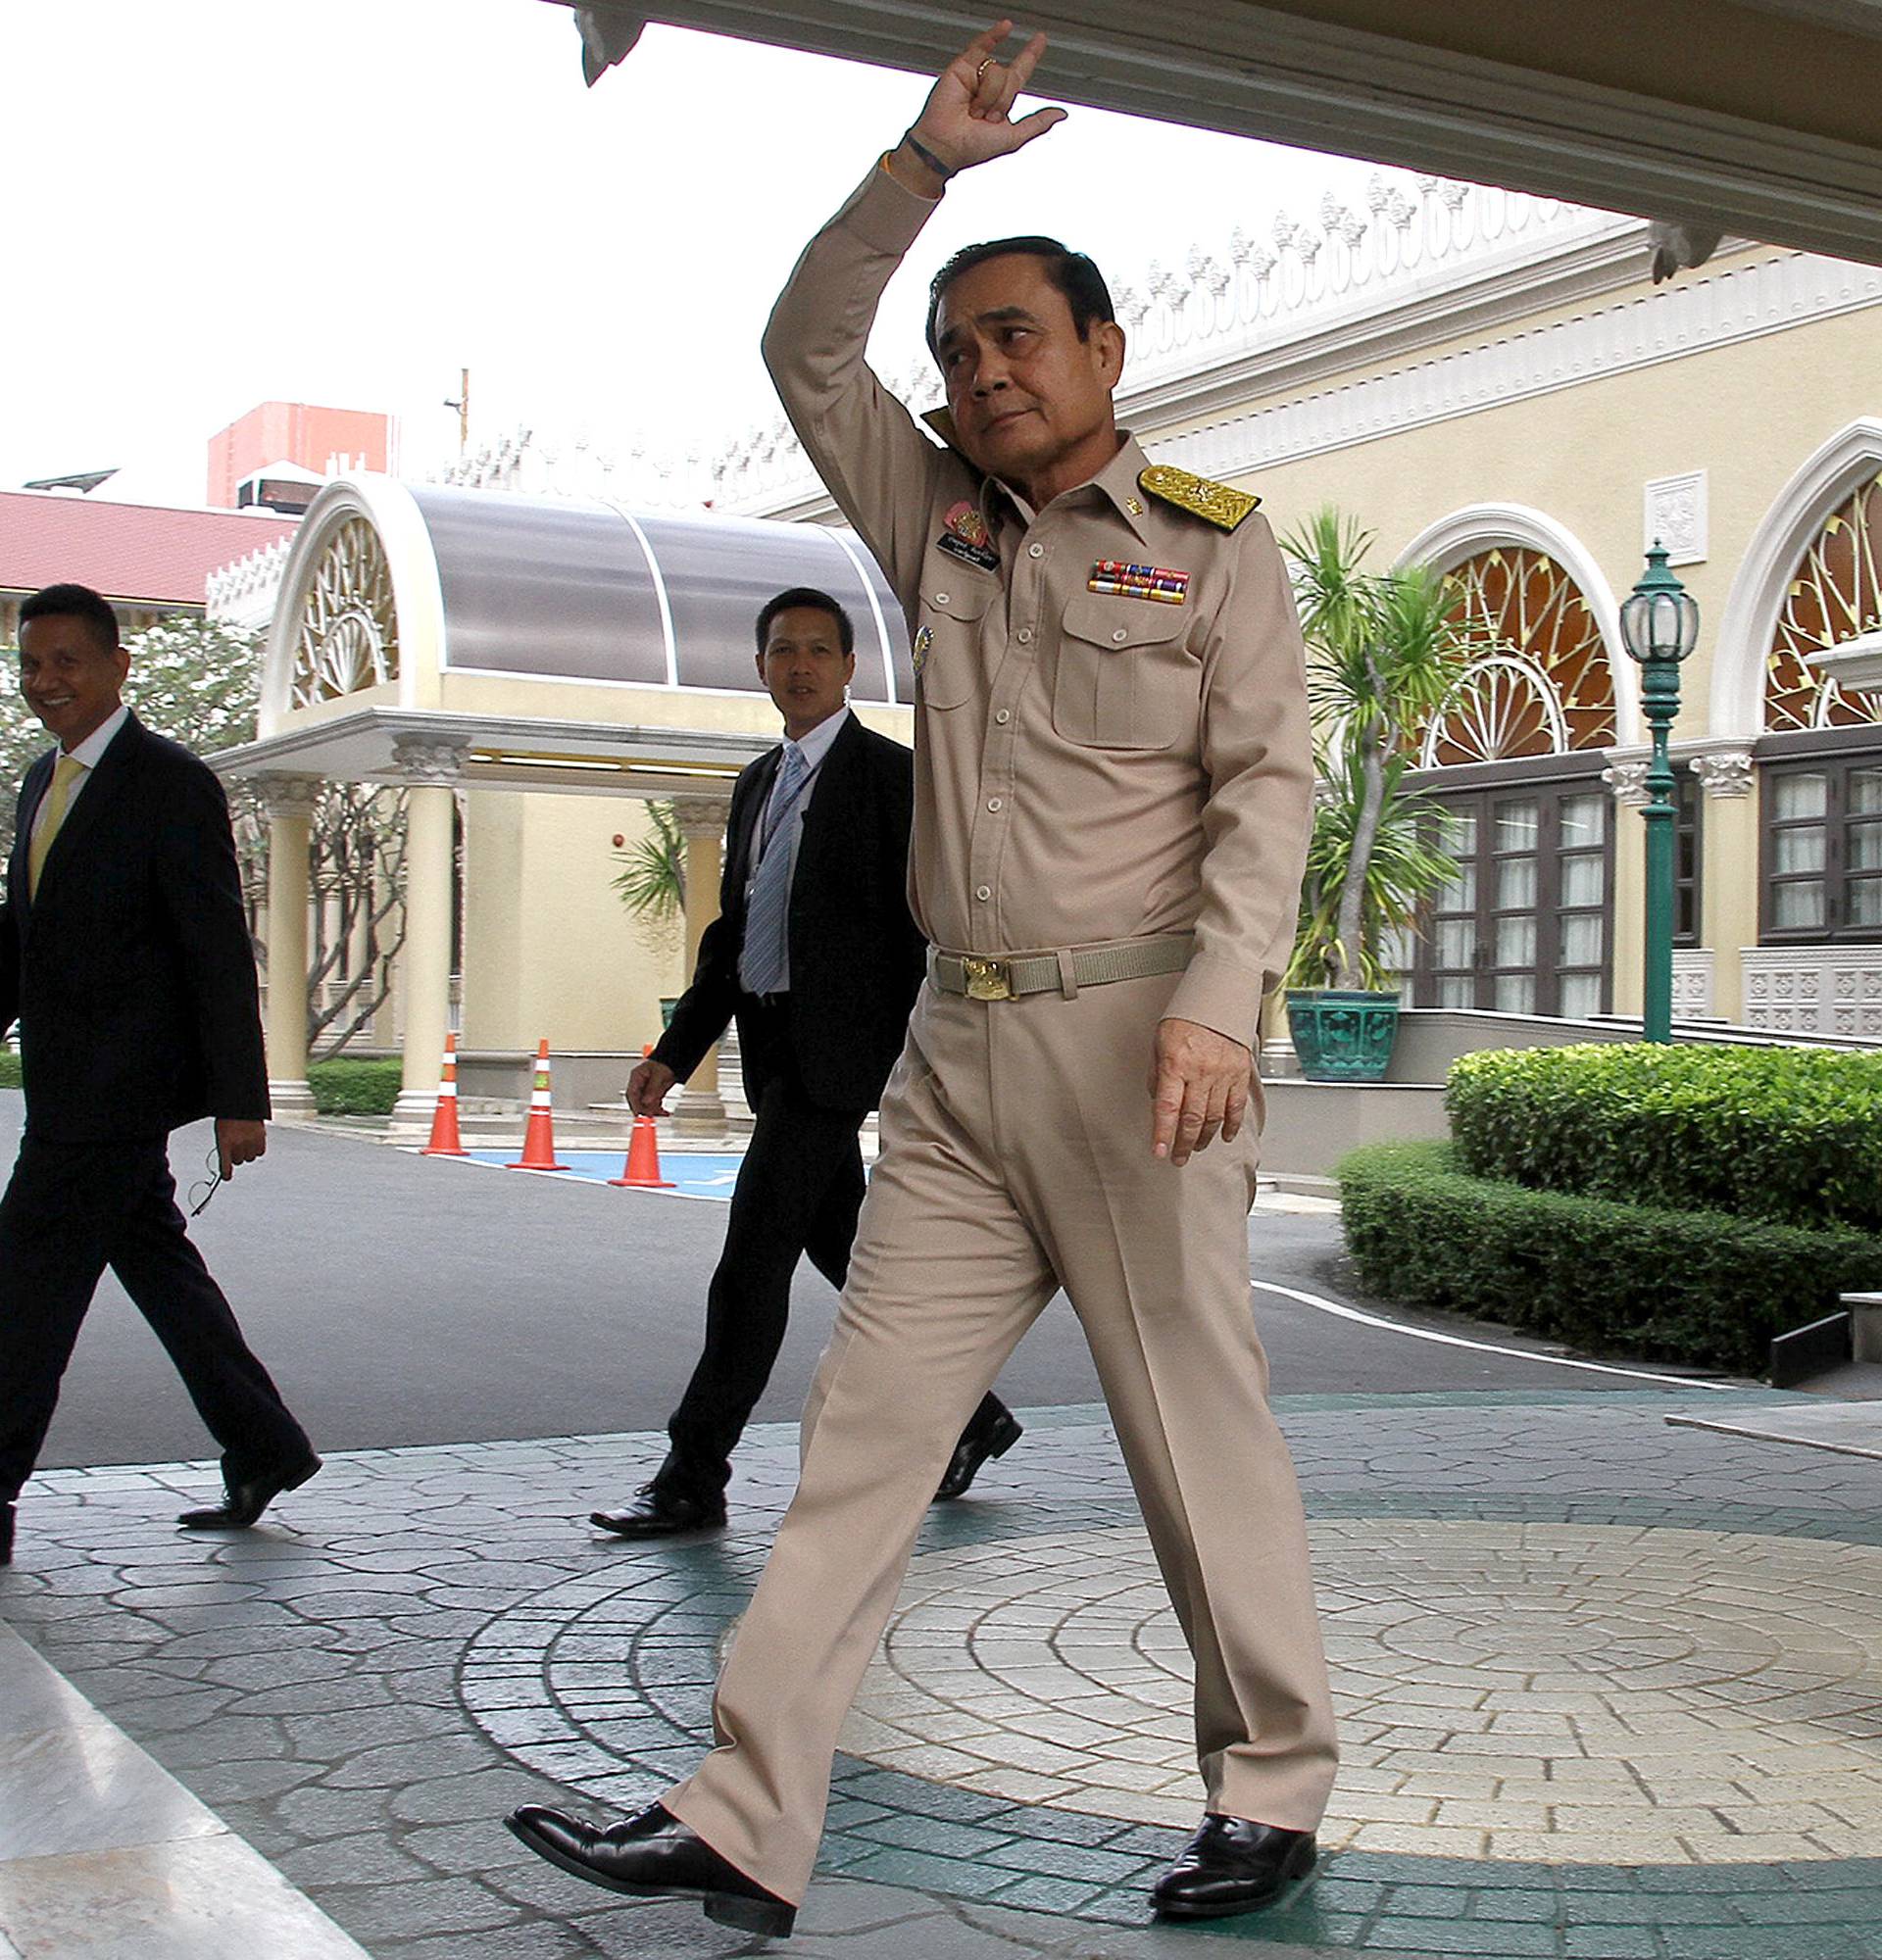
column 1659, row 626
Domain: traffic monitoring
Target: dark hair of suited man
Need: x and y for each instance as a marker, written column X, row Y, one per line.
column 808, row 597
column 74, row 602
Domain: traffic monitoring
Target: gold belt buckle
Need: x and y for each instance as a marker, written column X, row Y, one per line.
column 987, row 979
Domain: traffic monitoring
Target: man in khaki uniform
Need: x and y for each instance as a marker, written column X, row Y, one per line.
column 1112, row 798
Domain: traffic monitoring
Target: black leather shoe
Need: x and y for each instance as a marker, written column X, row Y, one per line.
column 652, row 1856
column 6, row 1533
column 244, row 1503
column 1230, row 1866
column 658, row 1514
column 974, row 1449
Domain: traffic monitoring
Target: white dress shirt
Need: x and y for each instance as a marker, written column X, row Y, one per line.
column 814, row 748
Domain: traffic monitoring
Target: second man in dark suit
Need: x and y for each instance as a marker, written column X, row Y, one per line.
column 816, row 956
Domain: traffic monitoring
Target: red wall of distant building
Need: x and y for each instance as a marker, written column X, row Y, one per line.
column 293, row 432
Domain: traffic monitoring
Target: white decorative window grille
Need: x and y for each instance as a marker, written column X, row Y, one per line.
column 1544, row 687
column 1835, row 596
column 349, row 638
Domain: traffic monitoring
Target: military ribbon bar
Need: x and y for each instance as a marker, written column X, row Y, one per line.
column 1139, row 581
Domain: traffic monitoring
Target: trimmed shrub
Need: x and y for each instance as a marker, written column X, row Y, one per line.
column 8, row 1067
column 355, row 1086
column 1692, row 1287
column 1793, row 1136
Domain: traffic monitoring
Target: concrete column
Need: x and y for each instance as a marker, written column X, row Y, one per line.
column 700, row 1109
column 1728, row 879
column 290, row 809
column 430, row 767
column 1626, row 776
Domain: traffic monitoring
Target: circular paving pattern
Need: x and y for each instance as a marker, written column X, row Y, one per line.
column 1557, row 1692
column 1576, row 1693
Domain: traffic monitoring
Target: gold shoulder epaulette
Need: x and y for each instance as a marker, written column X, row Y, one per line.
column 1215, row 503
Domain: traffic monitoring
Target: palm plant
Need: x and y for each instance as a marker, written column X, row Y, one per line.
column 1383, row 653
column 652, row 879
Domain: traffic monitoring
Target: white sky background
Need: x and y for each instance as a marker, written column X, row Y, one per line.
column 215, row 203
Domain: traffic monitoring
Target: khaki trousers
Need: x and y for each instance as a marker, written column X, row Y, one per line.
column 1016, row 1158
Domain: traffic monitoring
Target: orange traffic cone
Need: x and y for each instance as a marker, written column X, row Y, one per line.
column 444, row 1120
column 642, row 1170
column 538, row 1136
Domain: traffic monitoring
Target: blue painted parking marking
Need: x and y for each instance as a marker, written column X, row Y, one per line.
column 694, row 1174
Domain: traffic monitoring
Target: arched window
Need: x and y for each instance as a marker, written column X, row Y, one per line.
column 1542, row 685
column 1822, row 760
column 1834, row 596
column 349, row 637
column 1525, row 926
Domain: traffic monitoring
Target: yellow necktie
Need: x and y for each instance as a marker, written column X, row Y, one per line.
column 65, row 772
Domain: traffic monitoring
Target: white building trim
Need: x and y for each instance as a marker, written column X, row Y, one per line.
column 1480, row 527
column 1850, row 458
column 1742, row 302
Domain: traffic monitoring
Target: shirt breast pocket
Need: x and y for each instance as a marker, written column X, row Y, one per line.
column 947, row 633
column 1125, row 678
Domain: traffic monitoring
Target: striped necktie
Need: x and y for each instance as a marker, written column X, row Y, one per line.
column 66, row 771
column 762, row 960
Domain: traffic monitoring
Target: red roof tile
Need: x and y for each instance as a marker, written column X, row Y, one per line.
column 139, row 553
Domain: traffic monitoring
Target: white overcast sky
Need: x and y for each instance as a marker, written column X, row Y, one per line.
column 216, row 203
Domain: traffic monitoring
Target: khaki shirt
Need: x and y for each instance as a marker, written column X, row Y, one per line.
column 1089, row 766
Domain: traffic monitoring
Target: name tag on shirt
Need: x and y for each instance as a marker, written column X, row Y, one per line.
column 984, row 556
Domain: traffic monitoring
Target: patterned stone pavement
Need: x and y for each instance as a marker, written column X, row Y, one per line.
column 1609, row 1688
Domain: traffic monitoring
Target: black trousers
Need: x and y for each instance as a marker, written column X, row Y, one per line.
column 799, row 1191
column 69, row 1211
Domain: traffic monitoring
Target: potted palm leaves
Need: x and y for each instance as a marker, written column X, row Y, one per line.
column 1383, row 653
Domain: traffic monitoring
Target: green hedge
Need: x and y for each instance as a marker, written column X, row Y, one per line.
column 1792, row 1136
column 355, row 1086
column 345, row 1087
column 1692, row 1287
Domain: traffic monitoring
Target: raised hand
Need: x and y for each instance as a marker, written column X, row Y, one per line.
column 966, row 118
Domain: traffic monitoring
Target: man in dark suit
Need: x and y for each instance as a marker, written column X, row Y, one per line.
column 816, row 956
column 124, row 958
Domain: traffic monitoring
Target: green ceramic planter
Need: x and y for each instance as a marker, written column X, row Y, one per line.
column 1341, row 1034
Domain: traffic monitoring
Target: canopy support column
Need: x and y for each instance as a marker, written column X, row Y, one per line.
column 290, row 800
column 424, row 964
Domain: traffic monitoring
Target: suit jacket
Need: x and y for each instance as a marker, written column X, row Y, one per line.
column 857, row 956
column 131, row 974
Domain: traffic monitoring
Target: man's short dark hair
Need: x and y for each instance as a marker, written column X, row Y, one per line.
column 1072, row 273
column 74, row 602
column 806, row 596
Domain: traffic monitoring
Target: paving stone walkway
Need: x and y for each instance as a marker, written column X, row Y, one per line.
column 1610, row 1690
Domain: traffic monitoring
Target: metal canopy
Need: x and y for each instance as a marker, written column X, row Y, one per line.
column 429, row 633
column 1761, row 118
column 559, row 589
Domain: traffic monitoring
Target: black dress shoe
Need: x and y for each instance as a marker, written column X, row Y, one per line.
column 658, row 1514
column 974, row 1449
column 244, row 1503
column 1230, row 1866
column 6, row 1533
column 652, row 1856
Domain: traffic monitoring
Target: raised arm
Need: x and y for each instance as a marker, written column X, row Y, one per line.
column 878, row 466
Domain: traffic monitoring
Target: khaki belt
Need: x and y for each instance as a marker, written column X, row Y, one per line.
column 1005, row 976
